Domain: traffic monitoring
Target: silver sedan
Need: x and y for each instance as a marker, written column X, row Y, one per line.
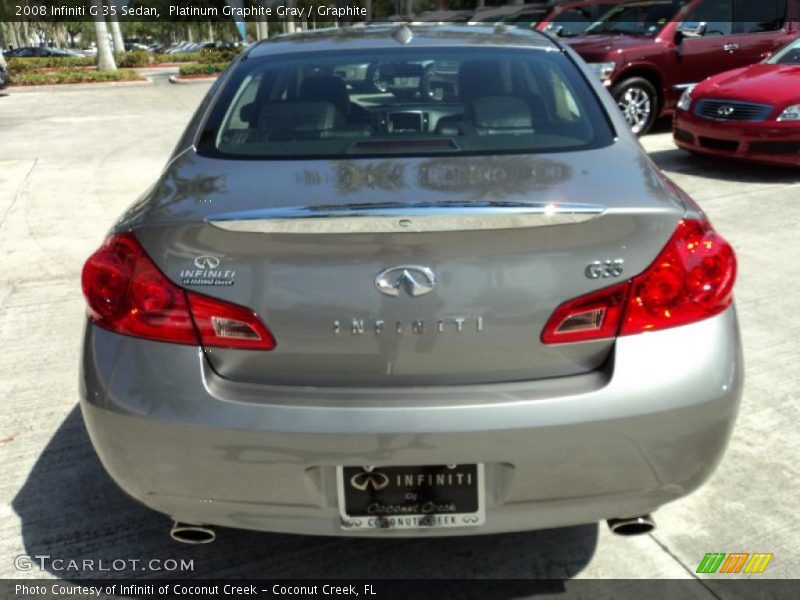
column 410, row 281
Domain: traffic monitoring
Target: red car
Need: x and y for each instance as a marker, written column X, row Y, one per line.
column 751, row 113
column 647, row 52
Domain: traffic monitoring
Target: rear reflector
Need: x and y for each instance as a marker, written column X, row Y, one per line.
column 128, row 294
column 690, row 280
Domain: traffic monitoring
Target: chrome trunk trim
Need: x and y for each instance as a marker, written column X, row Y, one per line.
column 415, row 218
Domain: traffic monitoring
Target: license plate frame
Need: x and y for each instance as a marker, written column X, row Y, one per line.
column 430, row 502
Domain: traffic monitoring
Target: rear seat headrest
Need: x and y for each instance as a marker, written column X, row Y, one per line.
column 325, row 88
column 501, row 112
column 478, row 78
column 299, row 116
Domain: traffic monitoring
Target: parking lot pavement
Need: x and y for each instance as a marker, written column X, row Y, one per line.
column 71, row 161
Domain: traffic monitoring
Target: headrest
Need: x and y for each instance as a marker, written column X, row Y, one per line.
column 299, row 116
column 501, row 112
column 325, row 88
column 482, row 77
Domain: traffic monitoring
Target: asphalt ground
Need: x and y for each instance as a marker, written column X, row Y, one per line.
column 72, row 159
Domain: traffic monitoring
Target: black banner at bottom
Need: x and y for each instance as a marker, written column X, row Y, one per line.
column 211, row 589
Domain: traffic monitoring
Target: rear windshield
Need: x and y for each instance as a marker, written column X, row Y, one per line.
column 406, row 102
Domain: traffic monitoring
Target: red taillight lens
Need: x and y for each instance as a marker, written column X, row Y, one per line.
column 127, row 293
column 228, row 325
column 690, row 280
column 590, row 317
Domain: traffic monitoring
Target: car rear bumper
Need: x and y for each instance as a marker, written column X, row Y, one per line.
column 766, row 142
column 648, row 428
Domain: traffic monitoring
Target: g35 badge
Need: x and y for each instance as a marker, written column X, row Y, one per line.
column 605, row 269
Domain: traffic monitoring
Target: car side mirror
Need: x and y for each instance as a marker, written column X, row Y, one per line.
column 765, row 55
column 554, row 29
column 690, row 29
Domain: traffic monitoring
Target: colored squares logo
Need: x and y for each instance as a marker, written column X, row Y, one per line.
column 735, row 562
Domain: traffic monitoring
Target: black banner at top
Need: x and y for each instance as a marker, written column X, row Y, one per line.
column 768, row 15
column 176, row 10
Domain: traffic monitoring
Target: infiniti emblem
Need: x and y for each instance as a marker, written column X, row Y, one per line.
column 725, row 110
column 415, row 280
column 206, row 262
column 369, row 478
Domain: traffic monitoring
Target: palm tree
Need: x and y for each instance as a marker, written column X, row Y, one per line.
column 116, row 32
column 105, row 59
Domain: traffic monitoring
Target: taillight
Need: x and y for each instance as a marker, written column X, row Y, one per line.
column 227, row 325
column 126, row 293
column 590, row 317
column 690, row 280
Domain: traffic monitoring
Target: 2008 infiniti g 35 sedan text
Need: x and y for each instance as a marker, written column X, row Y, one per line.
column 410, row 280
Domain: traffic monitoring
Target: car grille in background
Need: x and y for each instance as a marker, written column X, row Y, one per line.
column 715, row 144
column 726, row 110
column 775, row 147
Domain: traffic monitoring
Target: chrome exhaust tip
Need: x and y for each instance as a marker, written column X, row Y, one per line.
column 632, row 525
column 192, row 534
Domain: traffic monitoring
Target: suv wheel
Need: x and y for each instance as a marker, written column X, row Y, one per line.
column 638, row 101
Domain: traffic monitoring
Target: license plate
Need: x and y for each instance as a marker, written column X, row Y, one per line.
column 411, row 497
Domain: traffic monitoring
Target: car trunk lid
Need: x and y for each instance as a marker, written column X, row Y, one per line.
column 437, row 271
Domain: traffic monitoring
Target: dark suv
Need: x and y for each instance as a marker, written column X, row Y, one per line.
column 648, row 51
